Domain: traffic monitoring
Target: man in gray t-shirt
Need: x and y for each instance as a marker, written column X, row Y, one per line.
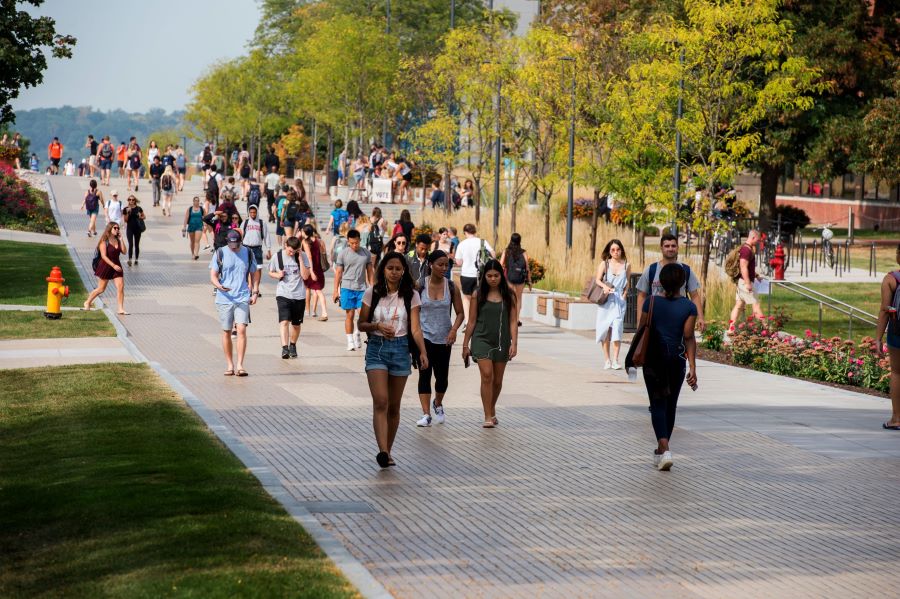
column 669, row 246
column 289, row 267
column 353, row 272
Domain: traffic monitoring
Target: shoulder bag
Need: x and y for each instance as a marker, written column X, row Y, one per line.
column 637, row 353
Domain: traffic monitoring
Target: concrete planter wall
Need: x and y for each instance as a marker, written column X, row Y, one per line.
column 561, row 311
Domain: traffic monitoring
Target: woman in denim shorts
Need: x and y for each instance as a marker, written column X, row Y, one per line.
column 888, row 323
column 390, row 317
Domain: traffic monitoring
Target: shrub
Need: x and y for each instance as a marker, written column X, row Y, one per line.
column 423, row 228
column 713, row 337
column 581, row 208
column 22, row 206
column 792, row 218
column 537, row 270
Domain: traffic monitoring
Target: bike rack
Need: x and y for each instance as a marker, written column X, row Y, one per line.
column 826, row 301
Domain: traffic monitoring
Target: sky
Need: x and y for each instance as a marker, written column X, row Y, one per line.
column 138, row 55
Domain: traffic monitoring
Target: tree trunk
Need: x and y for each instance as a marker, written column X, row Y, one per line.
column 704, row 261
column 767, row 191
column 547, row 219
column 594, row 224
column 448, row 190
column 477, row 200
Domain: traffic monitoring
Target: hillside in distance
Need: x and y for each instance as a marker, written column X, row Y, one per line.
column 72, row 124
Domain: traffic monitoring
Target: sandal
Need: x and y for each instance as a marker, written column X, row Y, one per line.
column 242, row 372
column 495, row 421
column 890, row 427
column 488, row 424
column 323, row 319
column 228, row 373
column 383, row 459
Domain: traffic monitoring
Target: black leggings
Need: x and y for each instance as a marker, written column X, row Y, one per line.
column 663, row 377
column 133, row 236
column 439, row 362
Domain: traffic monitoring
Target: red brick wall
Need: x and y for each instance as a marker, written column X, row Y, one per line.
column 866, row 214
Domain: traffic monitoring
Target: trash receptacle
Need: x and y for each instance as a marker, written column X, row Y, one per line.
column 289, row 169
column 631, row 307
column 332, row 178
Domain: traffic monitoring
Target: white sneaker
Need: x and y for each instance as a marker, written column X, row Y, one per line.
column 439, row 417
column 665, row 461
column 656, row 458
column 616, row 366
column 608, row 365
column 357, row 340
column 425, row 420
column 350, row 345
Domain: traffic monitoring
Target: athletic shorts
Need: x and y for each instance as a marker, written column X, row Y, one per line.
column 290, row 309
column 388, row 354
column 95, row 212
column 105, row 164
column 182, row 170
column 231, row 313
column 54, row 161
column 351, row 299
column 121, row 164
column 468, row 285
column 407, row 177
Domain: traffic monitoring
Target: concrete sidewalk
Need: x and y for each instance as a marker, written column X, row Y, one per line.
column 780, row 488
column 29, row 353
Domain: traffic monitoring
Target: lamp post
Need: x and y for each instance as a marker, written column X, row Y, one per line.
column 570, row 191
column 448, row 188
column 387, row 30
column 497, row 150
column 679, row 111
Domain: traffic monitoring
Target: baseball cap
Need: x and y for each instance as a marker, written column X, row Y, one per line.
column 233, row 237
column 114, row 192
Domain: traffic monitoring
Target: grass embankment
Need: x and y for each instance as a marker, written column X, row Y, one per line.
column 21, row 324
column 25, row 267
column 109, row 486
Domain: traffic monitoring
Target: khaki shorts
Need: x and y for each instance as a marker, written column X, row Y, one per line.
column 748, row 297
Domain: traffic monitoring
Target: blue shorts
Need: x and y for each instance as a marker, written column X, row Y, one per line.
column 388, row 354
column 105, row 164
column 351, row 299
column 93, row 212
column 893, row 341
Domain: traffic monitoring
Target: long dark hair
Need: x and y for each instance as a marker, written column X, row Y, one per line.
column 514, row 249
column 353, row 209
column 406, row 287
column 606, row 255
column 509, row 299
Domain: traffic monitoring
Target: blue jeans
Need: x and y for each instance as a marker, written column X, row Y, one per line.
column 388, row 354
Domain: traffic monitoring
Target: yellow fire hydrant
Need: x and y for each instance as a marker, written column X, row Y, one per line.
column 57, row 293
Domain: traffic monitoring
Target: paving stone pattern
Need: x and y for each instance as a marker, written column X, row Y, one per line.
column 779, row 487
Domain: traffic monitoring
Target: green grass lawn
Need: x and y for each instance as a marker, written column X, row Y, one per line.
column 25, row 268
column 109, row 486
column 805, row 313
column 22, row 324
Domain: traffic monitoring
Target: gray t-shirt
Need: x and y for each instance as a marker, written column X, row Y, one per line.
column 291, row 285
column 643, row 284
column 354, row 266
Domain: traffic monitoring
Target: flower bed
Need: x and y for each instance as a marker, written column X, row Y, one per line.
column 22, row 206
column 759, row 344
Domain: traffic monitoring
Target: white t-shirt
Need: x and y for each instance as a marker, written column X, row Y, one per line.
column 467, row 254
column 272, row 181
column 69, row 169
column 391, row 310
column 114, row 211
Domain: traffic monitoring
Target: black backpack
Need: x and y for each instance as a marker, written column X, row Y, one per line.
column 376, row 242
column 207, row 156
column 212, row 186
column 253, row 196
column 166, row 183
column 290, row 212
column 517, row 269
column 92, row 202
column 106, row 151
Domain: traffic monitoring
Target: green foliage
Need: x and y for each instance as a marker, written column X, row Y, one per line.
column 713, row 336
column 23, row 43
column 23, row 207
column 32, row 324
column 792, row 218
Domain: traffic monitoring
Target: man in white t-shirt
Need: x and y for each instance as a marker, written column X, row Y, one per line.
column 471, row 254
column 273, row 183
column 114, row 209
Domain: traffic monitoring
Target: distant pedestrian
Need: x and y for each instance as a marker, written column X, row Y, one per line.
column 376, row 234
column 168, row 184
column 54, row 154
column 134, row 228
column 91, row 146
column 120, row 158
column 133, row 164
column 105, row 154
column 108, row 266
column 314, row 247
column 271, row 182
column 390, row 317
column 671, row 344
column 255, row 235
column 338, row 243
column 649, row 280
column 493, row 333
column 353, row 273
column 92, row 203
column 156, row 172
column 404, row 224
column 437, row 195
column 419, row 266
column 338, row 217
column 471, row 256
column 354, row 213
column 244, row 170
column 180, row 166
column 888, row 323
column 68, row 168
column 613, row 274
column 289, row 267
column 235, row 275
column 193, row 226
column 515, row 265
column 438, row 296
column 114, row 208
column 745, row 280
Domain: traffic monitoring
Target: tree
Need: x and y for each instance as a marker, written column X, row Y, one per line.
column 23, row 40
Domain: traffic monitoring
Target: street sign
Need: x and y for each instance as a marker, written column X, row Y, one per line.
column 381, row 191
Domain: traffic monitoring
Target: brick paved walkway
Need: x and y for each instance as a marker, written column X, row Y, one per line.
column 780, row 488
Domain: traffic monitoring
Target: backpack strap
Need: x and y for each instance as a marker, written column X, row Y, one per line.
column 219, row 260
column 651, row 273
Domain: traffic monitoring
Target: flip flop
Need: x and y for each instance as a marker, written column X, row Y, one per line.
column 242, row 372
column 124, row 313
column 488, row 424
column 495, row 421
column 228, row 373
column 383, row 459
column 890, row 427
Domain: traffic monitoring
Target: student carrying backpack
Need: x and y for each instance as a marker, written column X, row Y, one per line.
column 290, row 213
column 166, row 183
column 733, row 264
column 254, row 195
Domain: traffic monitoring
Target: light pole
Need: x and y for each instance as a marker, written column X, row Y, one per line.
column 448, row 188
column 497, row 166
column 387, row 30
column 679, row 111
column 570, row 192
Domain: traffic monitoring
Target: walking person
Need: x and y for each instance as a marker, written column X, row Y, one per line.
column 889, row 324
column 133, row 164
column 91, row 146
column 255, row 235
column 649, row 280
column 107, row 267
column 193, row 226
column 235, row 275
column 54, row 155
column 289, row 267
column 471, row 254
column 120, row 158
column 376, row 234
column 114, row 209
column 419, row 266
column 168, row 183
column 390, row 317
column 105, row 155
column 438, row 296
column 180, row 166
column 353, row 273
column 93, row 201
column 493, row 334
column 404, row 225
column 314, row 247
column 746, row 278
column 515, row 264
column 134, row 227
column 613, row 274
column 672, row 318
column 272, row 183
column 156, row 172
column 338, row 217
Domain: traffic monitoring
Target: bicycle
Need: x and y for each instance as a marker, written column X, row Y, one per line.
column 827, row 246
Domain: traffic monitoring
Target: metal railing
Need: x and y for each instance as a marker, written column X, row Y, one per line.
column 825, row 301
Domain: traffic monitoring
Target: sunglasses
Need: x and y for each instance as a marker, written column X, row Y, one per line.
column 114, row 229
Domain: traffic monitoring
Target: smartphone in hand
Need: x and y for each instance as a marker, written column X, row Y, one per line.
column 466, row 361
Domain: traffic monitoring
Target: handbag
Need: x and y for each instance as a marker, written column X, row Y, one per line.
column 637, row 353
column 323, row 260
column 594, row 292
column 141, row 225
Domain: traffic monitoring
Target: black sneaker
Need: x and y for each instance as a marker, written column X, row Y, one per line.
column 285, row 353
column 292, row 348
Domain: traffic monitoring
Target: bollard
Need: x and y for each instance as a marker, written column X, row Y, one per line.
column 872, row 272
column 813, row 260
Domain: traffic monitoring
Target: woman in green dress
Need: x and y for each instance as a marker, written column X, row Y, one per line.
column 493, row 331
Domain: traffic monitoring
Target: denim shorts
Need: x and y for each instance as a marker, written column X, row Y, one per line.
column 105, row 164
column 388, row 354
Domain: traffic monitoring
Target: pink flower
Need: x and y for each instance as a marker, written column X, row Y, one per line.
column 765, row 333
column 850, row 374
column 859, row 362
column 808, row 333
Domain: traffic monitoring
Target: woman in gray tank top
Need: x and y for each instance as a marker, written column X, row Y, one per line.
column 438, row 295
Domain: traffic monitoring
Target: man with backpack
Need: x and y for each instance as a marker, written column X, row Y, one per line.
column 289, row 267
column 740, row 265
column 353, row 272
column 649, row 280
column 213, row 183
column 106, row 152
column 254, row 194
column 471, row 255
column 256, row 234
column 206, row 158
column 234, row 273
